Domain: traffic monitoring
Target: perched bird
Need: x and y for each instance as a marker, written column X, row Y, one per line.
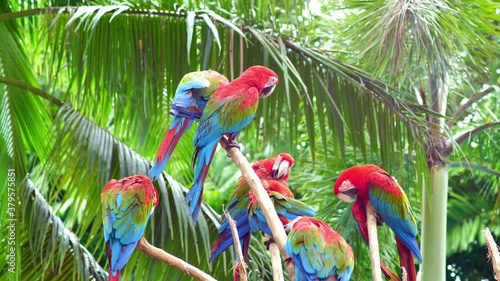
column 283, row 200
column 275, row 168
column 369, row 183
column 319, row 252
column 189, row 101
column 229, row 109
column 127, row 205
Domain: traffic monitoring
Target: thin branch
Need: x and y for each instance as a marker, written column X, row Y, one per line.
column 475, row 167
column 493, row 252
column 373, row 242
column 167, row 258
column 262, row 197
column 467, row 135
column 28, row 87
column 275, row 260
column 240, row 267
column 460, row 111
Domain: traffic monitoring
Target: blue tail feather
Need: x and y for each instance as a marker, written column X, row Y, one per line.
column 204, row 157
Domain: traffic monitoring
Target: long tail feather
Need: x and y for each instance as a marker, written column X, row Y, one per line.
column 116, row 277
column 204, row 158
column 388, row 272
column 175, row 131
column 406, row 260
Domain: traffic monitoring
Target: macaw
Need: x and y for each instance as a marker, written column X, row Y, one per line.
column 319, row 252
column 229, row 109
column 283, row 200
column 363, row 183
column 275, row 168
column 190, row 99
column 127, row 205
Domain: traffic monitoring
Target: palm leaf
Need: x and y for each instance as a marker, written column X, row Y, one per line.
column 54, row 247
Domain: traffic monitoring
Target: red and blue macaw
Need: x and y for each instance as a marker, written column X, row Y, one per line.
column 369, row 183
column 229, row 109
column 190, row 99
column 319, row 252
column 127, row 205
column 283, row 200
column 275, row 168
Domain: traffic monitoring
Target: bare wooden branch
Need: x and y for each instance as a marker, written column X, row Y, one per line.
column 493, row 252
column 468, row 104
column 275, row 260
column 240, row 266
column 262, row 197
column 161, row 255
column 467, row 135
column 373, row 242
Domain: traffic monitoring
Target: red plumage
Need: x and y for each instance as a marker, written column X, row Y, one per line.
column 369, row 183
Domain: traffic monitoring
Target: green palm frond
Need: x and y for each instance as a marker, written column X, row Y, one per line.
column 470, row 213
column 85, row 157
column 413, row 37
column 139, row 79
column 54, row 248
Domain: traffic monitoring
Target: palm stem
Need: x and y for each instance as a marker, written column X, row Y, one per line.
column 434, row 203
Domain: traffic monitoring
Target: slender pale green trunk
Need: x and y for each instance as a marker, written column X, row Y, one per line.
column 434, row 204
column 435, row 197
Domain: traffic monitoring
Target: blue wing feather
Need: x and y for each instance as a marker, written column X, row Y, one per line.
column 394, row 210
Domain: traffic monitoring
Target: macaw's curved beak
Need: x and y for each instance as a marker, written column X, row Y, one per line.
column 348, row 193
column 267, row 91
column 282, row 169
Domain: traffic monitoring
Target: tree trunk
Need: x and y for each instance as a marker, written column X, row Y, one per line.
column 434, row 202
column 435, row 198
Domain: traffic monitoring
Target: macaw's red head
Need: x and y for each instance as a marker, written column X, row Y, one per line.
column 261, row 77
column 282, row 165
column 275, row 168
column 353, row 182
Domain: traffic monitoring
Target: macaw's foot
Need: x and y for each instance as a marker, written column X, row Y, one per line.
column 269, row 242
column 288, row 260
column 233, row 144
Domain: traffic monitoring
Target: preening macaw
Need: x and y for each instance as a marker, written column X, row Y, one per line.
column 127, row 205
column 275, row 168
column 190, row 99
column 229, row 109
column 283, row 200
column 319, row 252
column 363, row 183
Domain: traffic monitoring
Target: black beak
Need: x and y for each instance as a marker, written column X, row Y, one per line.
column 351, row 192
column 267, row 91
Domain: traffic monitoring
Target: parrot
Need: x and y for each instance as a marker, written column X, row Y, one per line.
column 319, row 252
column 127, row 205
column 363, row 183
column 283, row 200
column 229, row 109
column 275, row 168
column 190, row 99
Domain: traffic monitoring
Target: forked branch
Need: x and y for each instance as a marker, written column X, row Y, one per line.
column 262, row 197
